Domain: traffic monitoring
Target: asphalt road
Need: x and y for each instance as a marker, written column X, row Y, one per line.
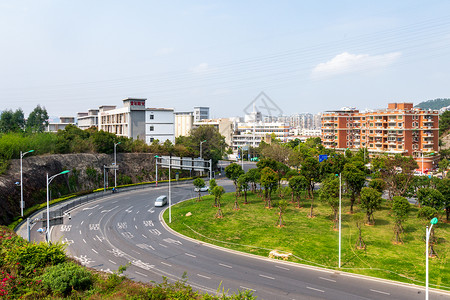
column 126, row 227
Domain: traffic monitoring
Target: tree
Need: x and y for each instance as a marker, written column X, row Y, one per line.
column 359, row 219
column 400, row 209
column 355, row 179
column 218, row 191
column 282, row 205
column 430, row 197
column 269, row 180
column 329, row 193
column 444, row 187
column 37, row 120
column 198, row 183
column 233, row 171
column 377, row 184
column 212, row 185
column 370, row 202
column 12, row 121
column 427, row 213
column 253, row 176
column 311, row 171
column 243, row 181
column 276, row 152
column 297, row 184
column 397, row 172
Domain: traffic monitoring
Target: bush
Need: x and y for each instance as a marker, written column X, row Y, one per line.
column 65, row 277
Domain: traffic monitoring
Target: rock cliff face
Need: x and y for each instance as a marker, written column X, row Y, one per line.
column 86, row 173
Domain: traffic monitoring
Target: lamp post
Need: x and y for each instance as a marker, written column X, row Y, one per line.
column 156, row 161
column 115, row 164
column 432, row 222
column 48, row 210
column 340, row 219
column 21, row 181
column 201, row 148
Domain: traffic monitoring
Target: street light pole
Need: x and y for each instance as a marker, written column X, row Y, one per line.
column 48, row 210
column 170, row 192
column 115, row 164
column 156, row 161
column 340, row 223
column 21, row 181
column 433, row 221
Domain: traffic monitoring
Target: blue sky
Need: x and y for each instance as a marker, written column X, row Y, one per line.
column 307, row 56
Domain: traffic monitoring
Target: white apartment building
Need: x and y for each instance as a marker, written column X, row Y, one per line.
column 63, row 122
column 136, row 121
column 87, row 120
column 201, row 113
column 252, row 133
column 159, row 125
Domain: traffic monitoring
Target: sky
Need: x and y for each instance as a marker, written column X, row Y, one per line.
column 306, row 56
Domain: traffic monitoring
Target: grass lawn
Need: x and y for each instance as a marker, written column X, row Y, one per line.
column 313, row 241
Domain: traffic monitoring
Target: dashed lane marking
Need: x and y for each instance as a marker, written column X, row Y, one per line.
column 308, row 287
column 203, row 276
column 327, row 279
column 226, row 266
column 265, row 276
column 380, row 292
column 166, row 264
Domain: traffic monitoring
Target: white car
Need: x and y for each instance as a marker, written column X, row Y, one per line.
column 203, row 189
column 161, row 201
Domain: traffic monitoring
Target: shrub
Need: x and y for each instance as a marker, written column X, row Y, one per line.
column 65, row 277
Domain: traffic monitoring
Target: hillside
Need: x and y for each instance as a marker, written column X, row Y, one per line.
column 434, row 104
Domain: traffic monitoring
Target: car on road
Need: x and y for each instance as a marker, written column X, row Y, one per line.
column 203, row 189
column 161, row 200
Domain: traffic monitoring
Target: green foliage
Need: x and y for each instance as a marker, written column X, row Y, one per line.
column 435, row 104
column 329, row 193
column 430, row 197
column 355, row 178
column 377, row 184
column 400, row 208
column 269, row 180
column 233, row 171
column 37, row 120
column 444, row 122
column 370, row 202
column 427, row 213
column 12, row 121
column 65, row 277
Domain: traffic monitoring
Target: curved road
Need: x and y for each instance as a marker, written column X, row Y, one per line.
column 126, row 227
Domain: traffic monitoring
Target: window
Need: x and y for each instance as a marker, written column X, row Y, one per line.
column 151, row 140
column 152, row 128
column 400, row 117
column 152, row 117
column 400, row 124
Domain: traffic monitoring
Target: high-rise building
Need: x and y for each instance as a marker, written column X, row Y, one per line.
column 399, row 129
column 201, row 113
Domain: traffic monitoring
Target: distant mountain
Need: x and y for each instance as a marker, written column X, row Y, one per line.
column 434, row 104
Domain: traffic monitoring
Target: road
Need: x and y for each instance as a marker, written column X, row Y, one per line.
column 126, row 227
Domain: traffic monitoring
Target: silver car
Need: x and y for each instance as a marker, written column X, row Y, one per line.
column 161, row 201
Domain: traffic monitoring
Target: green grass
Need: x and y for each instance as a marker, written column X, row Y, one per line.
column 313, row 241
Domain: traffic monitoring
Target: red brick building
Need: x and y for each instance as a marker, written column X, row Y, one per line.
column 399, row 129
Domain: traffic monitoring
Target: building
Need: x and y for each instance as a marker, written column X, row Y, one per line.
column 252, row 133
column 63, row 122
column 224, row 125
column 184, row 122
column 159, row 125
column 136, row 121
column 399, row 129
column 201, row 113
column 87, row 120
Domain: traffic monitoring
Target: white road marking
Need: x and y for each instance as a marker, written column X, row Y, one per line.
column 327, row 279
column 135, row 251
column 135, row 226
column 384, row 293
column 84, row 241
column 226, row 266
column 282, row 268
column 94, row 227
column 144, row 236
column 112, row 261
column 166, row 264
column 89, row 214
column 82, row 222
column 155, row 232
column 268, row 277
column 308, row 287
column 172, row 241
column 191, row 255
column 128, row 210
column 108, row 210
column 137, row 212
column 94, row 251
column 134, row 219
column 163, row 245
column 115, row 201
column 88, row 208
column 246, row 288
column 137, row 272
column 203, row 276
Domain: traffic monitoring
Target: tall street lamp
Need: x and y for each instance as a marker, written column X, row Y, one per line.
column 156, row 161
column 340, row 219
column 201, row 148
column 432, row 222
column 21, row 181
column 48, row 210
column 115, row 164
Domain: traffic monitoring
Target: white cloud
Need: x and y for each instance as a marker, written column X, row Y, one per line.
column 164, row 51
column 201, row 68
column 348, row 63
